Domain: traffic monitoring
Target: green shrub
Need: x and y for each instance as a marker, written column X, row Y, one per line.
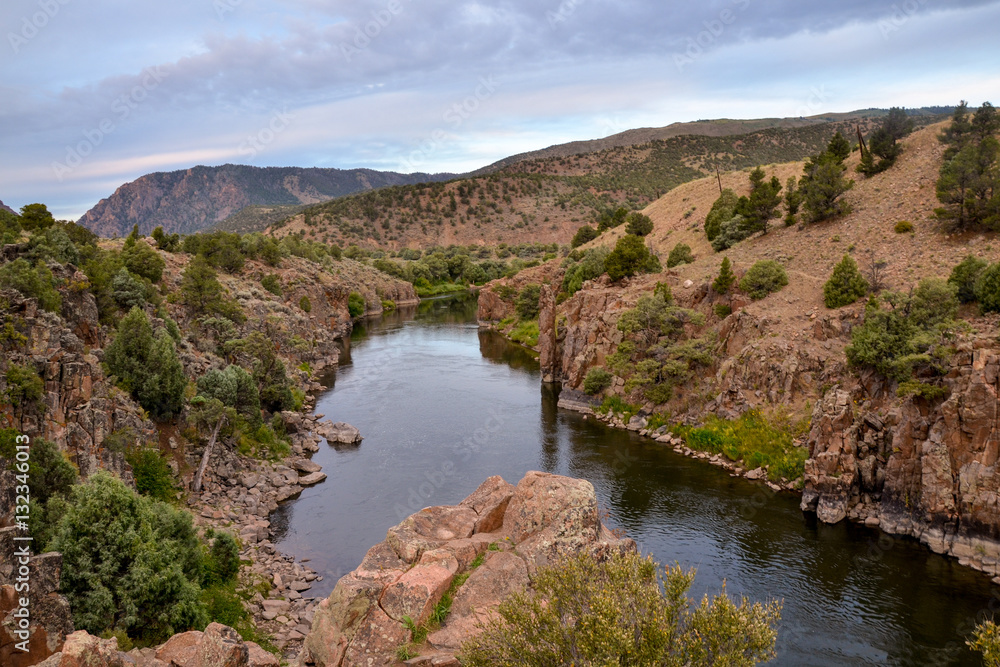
column 755, row 440
column 630, row 256
column 203, row 293
column 763, row 278
column 223, row 562
column 681, row 254
column 142, row 260
column 305, row 304
column 903, row 226
column 583, row 235
column 32, row 281
column 127, row 292
column 388, row 305
column 988, row 289
column 845, row 286
column 986, row 640
column 272, row 283
column 723, row 310
column 589, row 266
column 526, row 304
column 934, row 302
column 152, row 473
column 525, row 333
column 964, row 277
column 25, row 388
column 726, row 277
column 623, row 610
column 597, row 380
column 638, row 224
column 925, row 390
column 129, row 563
column 722, row 210
column 356, row 304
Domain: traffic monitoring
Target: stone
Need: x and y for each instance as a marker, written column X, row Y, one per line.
column 376, row 641
column 339, row 618
column 430, row 528
column 415, row 593
column 312, row 478
column 82, row 649
column 306, row 466
column 339, row 433
column 180, row 648
column 490, row 502
column 299, row 586
column 258, row 657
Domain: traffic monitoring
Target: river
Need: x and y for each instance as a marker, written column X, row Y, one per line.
column 443, row 405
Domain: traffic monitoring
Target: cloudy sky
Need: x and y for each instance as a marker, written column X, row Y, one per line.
column 97, row 93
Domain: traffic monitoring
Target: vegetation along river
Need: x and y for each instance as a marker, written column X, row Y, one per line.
column 443, row 405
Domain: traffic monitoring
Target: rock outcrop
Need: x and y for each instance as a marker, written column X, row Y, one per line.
column 913, row 466
column 547, row 333
column 500, row 535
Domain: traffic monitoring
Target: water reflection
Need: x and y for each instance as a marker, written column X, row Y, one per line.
column 422, row 381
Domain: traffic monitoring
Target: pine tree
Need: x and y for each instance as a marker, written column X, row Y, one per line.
column 846, row 285
column 726, row 277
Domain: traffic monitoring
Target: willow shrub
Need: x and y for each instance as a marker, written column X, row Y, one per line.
column 623, row 611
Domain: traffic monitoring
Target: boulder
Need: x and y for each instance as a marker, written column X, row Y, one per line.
column 429, row 529
column 312, row 478
column 415, row 593
column 490, row 501
column 339, row 433
column 306, row 466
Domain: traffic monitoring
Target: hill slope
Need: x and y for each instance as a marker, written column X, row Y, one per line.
column 193, row 199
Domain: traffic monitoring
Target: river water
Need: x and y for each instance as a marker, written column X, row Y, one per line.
column 443, row 405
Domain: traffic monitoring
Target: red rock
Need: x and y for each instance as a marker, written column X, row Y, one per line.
column 490, row 502
column 429, row 529
column 415, row 593
column 376, row 642
column 339, row 617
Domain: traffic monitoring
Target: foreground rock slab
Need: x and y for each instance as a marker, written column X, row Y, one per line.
column 500, row 535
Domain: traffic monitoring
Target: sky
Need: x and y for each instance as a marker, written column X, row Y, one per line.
column 96, row 94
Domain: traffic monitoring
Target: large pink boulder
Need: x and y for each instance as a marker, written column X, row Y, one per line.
column 415, row 593
column 490, row 502
column 376, row 642
column 430, row 528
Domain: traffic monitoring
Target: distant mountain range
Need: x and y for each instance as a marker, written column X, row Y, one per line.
column 244, row 198
column 191, row 200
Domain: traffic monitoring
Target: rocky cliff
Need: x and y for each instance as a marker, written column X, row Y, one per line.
column 191, row 200
column 499, row 536
column 926, row 468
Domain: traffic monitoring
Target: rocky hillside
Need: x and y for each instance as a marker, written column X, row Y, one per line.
column 194, row 199
column 919, row 466
column 4, row 207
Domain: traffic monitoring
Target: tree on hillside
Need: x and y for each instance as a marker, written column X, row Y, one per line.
column 638, row 224
column 612, row 219
column 762, row 204
column 969, row 180
column 883, row 146
column 846, row 285
column 583, row 235
column 630, row 256
column 36, row 217
column 793, row 199
column 722, row 210
column 839, row 147
column 822, row 186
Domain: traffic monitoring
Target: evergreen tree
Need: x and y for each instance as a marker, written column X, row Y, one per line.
column 793, row 199
column 638, row 224
column 726, row 277
column 839, row 147
column 762, row 204
column 822, row 187
column 722, row 210
column 846, row 285
column 630, row 256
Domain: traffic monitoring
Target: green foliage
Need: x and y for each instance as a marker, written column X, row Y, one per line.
column 986, row 640
column 723, row 310
column 127, row 292
column 726, row 277
column 934, row 302
column 53, row 244
column 25, row 388
column 50, row 472
column 793, row 199
column 525, row 333
column 36, row 217
column 143, row 261
column 987, row 289
column 630, row 256
column 129, row 563
column 202, row 292
column 883, row 143
column 822, row 187
column 388, row 305
column 32, row 281
column 762, row 204
column 731, row 232
column 964, row 277
column 969, row 182
column 903, row 227
column 153, row 476
column 839, row 148
column 623, row 610
column 680, row 254
column 272, row 283
column 10, row 227
column 526, row 304
column 722, row 210
column 223, row 562
column 612, row 219
column 846, row 285
column 269, row 374
column 583, row 235
column 754, row 440
column 305, row 304
column 146, row 365
column 925, row 390
column 166, row 242
column 235, row 388
column 763, row 278
column 588, row 267
column 597, row 380
column 638, row 224
column 356, row 304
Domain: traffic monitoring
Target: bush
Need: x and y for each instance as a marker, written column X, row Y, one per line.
column 32, row 281
column 763, row 278
column 630, row 256
column 305, row 304
column 152, row 473
column 584, row 235
column 903, row 226
column 526, row 304
column 964, row 277
column 204, row 294
column 223, row 563
column 127, row 292
column 681, row 254
column 845, row 286
column 588, row 267
column 142, row 260
column 525, row 333
column 272, row 283
column 638, row 224
column 597, row 380
column 129, row 563
column 723, row 310
column 726, row 277
column 24, row 387
column 623, row 610
column 356, row 304
column 988, row 289
column 986, row 640
column 722, row 210
column 934, row 302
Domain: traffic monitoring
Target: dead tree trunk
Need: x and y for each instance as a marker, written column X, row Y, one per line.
column 196, row 485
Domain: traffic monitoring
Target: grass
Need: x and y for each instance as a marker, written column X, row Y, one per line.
column 439, row 289
column 615, row 404
column 753, row 440
column 525, row 333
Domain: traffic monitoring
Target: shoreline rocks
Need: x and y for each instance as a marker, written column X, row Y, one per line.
column 499, row 535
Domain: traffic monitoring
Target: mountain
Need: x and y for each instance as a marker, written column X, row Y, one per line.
column 194, row 199
column 4, row 207
column 546, row 199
